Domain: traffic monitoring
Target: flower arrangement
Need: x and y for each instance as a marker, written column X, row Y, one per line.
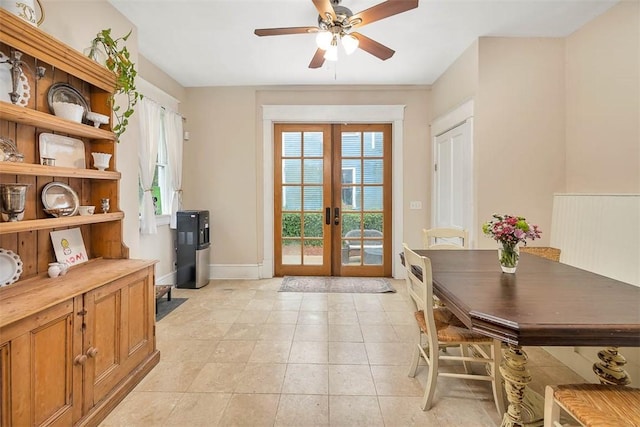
column 509, row 231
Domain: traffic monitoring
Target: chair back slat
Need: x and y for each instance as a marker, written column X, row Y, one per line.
column 445, row 238
column 420, row 285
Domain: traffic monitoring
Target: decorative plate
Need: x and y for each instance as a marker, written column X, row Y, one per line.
column 10, row 267
column 68, row 152
column 58, row 195
column 6, row 85
column 64, row 92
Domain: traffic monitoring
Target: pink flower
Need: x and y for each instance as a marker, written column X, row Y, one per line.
column 510, row 229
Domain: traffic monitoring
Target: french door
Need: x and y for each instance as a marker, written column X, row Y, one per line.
column 332, row 199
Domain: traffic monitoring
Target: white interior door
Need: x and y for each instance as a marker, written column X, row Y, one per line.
column 452, row 180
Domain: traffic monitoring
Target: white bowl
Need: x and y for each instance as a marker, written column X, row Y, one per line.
column 101, row 160
column 86, row 210
column 68, row 111
column 97, row 118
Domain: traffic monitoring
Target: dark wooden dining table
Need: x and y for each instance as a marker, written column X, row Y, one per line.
column 545, row 303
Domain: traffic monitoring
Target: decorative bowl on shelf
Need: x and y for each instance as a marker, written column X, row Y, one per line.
column 97, row 118
column 58, row 212
column 101, row 160
column 86, row 210
column 68, row 110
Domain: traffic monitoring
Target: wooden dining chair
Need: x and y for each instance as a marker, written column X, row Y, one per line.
column 437, row 327
column 445, row 238
column 542, row 251
column 593, row 405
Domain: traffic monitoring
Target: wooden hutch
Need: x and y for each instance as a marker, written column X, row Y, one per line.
column 73, row 346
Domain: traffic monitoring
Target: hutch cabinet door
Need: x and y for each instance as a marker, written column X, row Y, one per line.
column 119, row 333
column 41, row 368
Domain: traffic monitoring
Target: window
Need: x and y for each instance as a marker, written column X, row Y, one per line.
column 160, row 188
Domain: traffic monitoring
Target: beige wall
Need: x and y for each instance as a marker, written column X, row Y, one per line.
column 220, row 169
column 603, row 103
column 457, row 84
column 517, row 85
column 154, row 75
column 223, row 159
column 519, row 130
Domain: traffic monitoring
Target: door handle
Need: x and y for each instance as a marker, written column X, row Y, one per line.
column 327, row 216
column 336, row 216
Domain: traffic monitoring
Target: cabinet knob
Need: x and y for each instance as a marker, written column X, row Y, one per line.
column 92, row 352
column 80, row 359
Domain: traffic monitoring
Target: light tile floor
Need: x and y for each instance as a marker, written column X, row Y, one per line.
column 239, row 353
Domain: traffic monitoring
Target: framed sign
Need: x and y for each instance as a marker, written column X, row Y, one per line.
column 69, row 246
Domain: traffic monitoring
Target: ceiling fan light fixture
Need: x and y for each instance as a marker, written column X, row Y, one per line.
column 331, row 54
column 324, row 39
column 349, row 43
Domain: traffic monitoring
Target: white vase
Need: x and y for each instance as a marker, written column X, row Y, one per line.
column 54, row 270
column 101, row 160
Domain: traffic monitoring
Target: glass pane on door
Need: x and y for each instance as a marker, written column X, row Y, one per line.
column 362, row 197
column 302, row 185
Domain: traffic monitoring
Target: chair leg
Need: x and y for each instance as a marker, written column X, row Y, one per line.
column 464, row 352
column 415, row 357
column 551, row 409
column 496, row 384
column 430, row 387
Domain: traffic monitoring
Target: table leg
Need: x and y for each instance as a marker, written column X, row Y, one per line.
column 516, row 377
column 609, row 370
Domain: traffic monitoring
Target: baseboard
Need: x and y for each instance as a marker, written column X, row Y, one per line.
column 235, row 271
column 167, row 279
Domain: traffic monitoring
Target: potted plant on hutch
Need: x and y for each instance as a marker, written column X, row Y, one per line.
column 106, row 50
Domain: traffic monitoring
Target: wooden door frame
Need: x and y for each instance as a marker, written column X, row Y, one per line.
column 271, row 114
column 332, row 233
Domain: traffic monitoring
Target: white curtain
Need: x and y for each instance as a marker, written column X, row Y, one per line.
column 150, row 126
column 173, row 135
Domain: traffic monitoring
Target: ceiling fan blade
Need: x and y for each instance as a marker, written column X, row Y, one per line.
column 324, row 7
column 373, row 47
column 317, row 60
column 284, row 31
column 383, row 10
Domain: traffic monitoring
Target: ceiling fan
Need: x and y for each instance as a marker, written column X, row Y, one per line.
column 335, row 23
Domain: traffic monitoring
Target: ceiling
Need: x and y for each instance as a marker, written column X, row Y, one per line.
column 211, row 42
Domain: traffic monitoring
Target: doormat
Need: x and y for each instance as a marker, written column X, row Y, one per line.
column 335, row 284
column 165, row 307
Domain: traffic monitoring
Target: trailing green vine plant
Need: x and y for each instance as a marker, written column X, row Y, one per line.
column 117, row 60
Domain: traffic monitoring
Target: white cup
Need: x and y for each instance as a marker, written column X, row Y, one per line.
column 86, row 210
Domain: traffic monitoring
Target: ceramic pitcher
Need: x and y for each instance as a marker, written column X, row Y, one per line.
column 25, row 9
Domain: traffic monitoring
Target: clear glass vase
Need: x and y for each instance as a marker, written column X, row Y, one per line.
column 96, row 53
column 508, row 255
